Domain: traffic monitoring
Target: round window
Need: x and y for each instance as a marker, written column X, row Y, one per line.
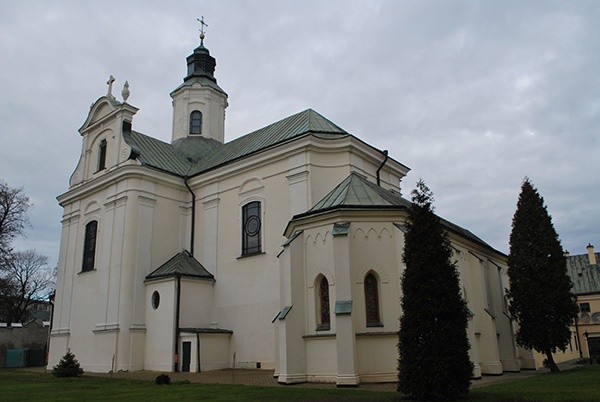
column 252, row 225
column 155, row 300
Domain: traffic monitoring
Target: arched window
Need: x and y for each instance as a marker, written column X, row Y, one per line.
column 251, row 228
column 372, row 300
column 324, row 321
column 196, row 122
column 89, row 246
column 102, row 155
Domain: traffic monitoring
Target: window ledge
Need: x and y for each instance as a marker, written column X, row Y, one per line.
column 374, row 324
column 379, row 333
column 87, row 271
column 250, row 255
column 316, row 336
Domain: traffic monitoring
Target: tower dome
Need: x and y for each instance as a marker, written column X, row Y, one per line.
column 199, row 103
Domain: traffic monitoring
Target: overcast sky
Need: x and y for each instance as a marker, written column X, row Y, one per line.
column 472, row 96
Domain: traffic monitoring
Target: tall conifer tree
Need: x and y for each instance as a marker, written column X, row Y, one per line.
column 434, row 360
column 540, row 290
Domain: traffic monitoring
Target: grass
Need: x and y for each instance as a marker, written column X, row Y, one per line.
column 579, row 384
column 575, row 385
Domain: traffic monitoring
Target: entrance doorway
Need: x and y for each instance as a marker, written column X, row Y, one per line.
column 187, row 352
column 594, row 346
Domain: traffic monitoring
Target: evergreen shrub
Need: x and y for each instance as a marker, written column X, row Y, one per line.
column 67, row 367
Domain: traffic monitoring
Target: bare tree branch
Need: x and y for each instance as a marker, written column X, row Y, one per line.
column 25, row 279
column 13, row 219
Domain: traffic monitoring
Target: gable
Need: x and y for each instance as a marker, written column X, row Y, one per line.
column 99, row 110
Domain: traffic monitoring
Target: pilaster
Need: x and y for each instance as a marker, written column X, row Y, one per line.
column 291, row 357
column 347, row 373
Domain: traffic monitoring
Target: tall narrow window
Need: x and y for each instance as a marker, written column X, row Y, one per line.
column 324, row 323
column 196, row 122
column 251, row 226
column 102, row 155
column 372, row 300
column 89, row 246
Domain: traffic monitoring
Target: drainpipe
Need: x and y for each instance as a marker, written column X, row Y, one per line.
column 198, row 352
column 193, row 229
column 177, row 308
column 577, row 337
column 51, row 300
column 385, row 153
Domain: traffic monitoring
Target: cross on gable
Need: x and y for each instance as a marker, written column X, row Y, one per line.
column 110, row 81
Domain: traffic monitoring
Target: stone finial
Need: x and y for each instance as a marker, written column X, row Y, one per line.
column 125, row 92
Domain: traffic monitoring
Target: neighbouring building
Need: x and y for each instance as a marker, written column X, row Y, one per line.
column 281, row 249
column 584, row 270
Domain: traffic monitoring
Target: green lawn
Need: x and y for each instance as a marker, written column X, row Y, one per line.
column 580, row 384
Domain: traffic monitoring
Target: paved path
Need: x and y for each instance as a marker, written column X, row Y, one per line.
column 264, row 378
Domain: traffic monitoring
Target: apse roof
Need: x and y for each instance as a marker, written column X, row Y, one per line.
column 182, row 264
column 357, row 192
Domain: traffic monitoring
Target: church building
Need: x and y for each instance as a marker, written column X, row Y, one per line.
column 281, row 249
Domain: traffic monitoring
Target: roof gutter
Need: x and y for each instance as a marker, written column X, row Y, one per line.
column 385, row 154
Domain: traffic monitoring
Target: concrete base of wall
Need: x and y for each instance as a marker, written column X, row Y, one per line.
column 511, row 365
column 491, row 368
column 291, row 378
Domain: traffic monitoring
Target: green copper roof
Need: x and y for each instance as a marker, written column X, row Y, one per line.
column 306, row 122
column 182, row 264
column 157, row 154
column 585, row 276
column 195, row 155
column 357, row 192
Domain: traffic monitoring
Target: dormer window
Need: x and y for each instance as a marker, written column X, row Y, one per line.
column 102, row 155
column 196, row 123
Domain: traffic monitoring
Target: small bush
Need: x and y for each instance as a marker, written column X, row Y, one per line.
column 163, row 379
column 67, row 367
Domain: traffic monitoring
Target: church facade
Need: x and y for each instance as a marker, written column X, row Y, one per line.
column 279, row 250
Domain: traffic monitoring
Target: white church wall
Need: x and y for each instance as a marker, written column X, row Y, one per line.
column 377, row 356
column 160, row 329
column 196, row 303
column 321, row 359
column 472, row 295
column 172, row 232
column 319, row 261
column 374, row 250
column 291, row 328
column 246, row 288
column 110, row 298
column 484, row 327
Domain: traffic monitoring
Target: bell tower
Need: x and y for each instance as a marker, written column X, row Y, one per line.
column 199, row 103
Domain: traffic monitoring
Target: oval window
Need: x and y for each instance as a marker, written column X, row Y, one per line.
column 155, row 300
